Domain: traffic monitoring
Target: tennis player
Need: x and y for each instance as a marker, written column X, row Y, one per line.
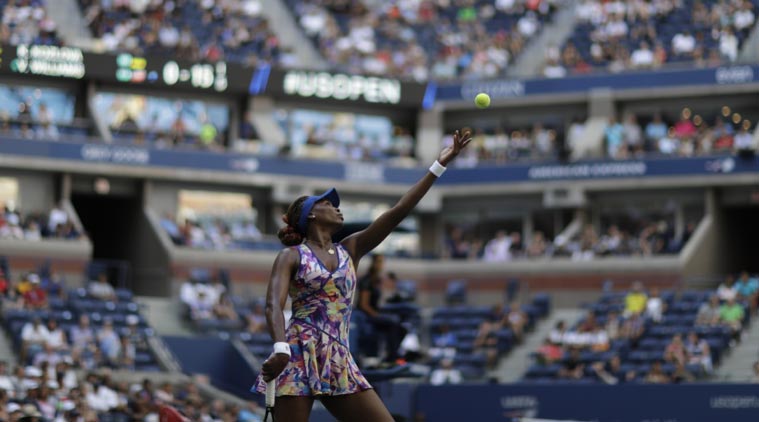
column 311, row 358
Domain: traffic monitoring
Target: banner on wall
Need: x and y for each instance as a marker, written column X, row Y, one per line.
column 512, row 88
column 598, row 403
column 376, row 173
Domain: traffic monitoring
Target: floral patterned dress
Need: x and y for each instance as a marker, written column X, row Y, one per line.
column 321, row 362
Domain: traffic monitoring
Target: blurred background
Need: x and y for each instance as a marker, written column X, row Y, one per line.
column 594, row 246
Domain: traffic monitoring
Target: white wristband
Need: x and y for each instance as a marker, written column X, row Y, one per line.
column 282, row 347
column 437, row 169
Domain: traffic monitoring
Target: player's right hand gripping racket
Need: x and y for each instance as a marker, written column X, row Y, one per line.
column 271, row 394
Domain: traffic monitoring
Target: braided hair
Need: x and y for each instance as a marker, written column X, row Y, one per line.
column 289, row 235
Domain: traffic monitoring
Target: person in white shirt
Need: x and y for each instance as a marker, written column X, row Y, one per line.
column 101, row 289
column 6, row 383
column 744, row 18
column 683, row 43
column 56, row 338
column 744, row 140
column 643, row 57
column 445, row 374
column 728, row 44
column 34, row 336
column 727, row 291
column 498, row 248
column 655, row 306
column 56, row 217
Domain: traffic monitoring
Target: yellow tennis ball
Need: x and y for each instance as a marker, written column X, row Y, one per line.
column 482, row 100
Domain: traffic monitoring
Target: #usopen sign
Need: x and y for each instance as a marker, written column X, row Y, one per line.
column 342, row 87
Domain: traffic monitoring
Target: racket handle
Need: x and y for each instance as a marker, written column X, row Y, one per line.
column 271, row 392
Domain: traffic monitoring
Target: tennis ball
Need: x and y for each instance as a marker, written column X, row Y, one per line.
column 482, row 100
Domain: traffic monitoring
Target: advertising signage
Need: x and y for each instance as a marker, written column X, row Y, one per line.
column 340, row 87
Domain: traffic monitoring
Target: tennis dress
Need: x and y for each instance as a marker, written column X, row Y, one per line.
column 321, row 362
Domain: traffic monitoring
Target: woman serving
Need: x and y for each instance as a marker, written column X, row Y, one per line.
column 311, row 358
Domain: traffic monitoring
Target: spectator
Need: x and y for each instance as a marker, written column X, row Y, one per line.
column 613, row 327
column 224, row 309
column 256, row 320
column 57, row 217
column 34, row 335
column 755, row 377
column 56, row 338
column 633, row 135
column 683, row 43
column 516, row 319
column 635, row 300
column 101, row 289
column 633, row 328
column 709, row 313
column 698, row 352
column 369, row 299
column 675, row 351
column 731, row 314
column 109, row 342
column 611, row 372
column 728, row 44
column 655, row 306
column 573, row 367
column 656, row 375
column 445, row 374
column 498, row 249
column 747, row 288
column 35, row 297
column 538, row 246
column 443, row 343
column 201, row 307
column 727, row 290
column 681, row 374
column 550, row 352
column 82, row 335
column 558, row 333
column 643, row 57
column 614, row 139
column 744, row 140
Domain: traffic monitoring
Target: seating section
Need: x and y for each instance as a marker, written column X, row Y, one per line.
column 426, row 40
column 26, row 22
column 633, row 358
column 465, row 324
column 123, row 313
column 192, row 30
column 620, row 35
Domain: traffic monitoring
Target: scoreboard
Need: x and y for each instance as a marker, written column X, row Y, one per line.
column 74, row 63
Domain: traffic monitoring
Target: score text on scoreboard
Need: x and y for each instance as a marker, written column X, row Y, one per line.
column 43, row 60
column 138, row 70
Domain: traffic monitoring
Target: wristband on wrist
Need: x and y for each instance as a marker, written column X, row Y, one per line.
column 437, row 169
column 282, row 347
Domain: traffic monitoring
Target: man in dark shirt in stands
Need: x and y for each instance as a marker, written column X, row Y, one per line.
column 370, row 294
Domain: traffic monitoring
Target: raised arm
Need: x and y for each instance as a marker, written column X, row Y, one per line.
column 361, row 243
column 276, row 296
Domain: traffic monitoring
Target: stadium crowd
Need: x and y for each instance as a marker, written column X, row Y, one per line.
column 621, row 35
column 192, row 30
column 26, row 22
column 15, row 224
column 65, row 369
column 401, row 38
column 216, row 234
column 645, row 238
column 691, row 135
column 620, row 332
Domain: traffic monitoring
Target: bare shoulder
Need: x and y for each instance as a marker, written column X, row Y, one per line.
column 288, row 256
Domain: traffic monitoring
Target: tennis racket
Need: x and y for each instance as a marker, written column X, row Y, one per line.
column 271, row 395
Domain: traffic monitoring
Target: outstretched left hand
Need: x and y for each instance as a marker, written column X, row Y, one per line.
column 460, row 141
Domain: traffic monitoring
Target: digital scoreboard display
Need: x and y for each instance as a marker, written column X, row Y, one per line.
column 43, row 60
column 138, row 70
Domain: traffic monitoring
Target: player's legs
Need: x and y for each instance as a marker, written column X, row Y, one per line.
column 364, row 406
column 293, row 408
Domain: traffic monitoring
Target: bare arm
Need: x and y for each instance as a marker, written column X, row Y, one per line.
column 276, row 294
column 361, row 243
